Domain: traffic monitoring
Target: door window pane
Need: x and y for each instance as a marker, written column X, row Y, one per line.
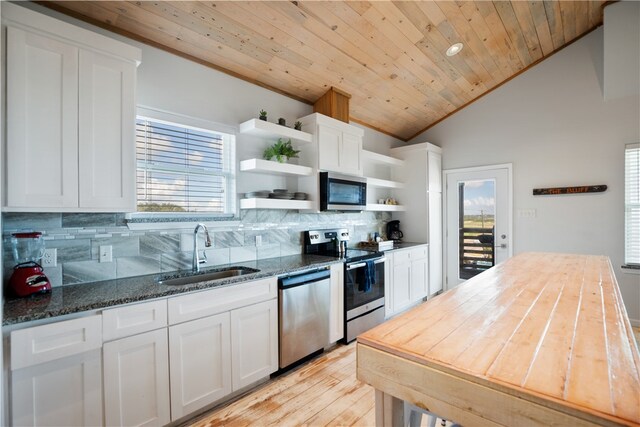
column 476, row 218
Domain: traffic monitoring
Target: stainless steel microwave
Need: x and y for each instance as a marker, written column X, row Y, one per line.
column 342, row 192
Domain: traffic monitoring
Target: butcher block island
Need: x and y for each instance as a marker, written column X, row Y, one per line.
column 540, row 340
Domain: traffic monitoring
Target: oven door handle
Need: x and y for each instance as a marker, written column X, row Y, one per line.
column 362, row 264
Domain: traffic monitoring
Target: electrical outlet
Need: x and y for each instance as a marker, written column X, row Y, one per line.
column 50, row 257
column 106, row 253
column 258, row 240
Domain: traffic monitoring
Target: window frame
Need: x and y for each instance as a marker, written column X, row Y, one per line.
column 229, row 134
column 629, row 266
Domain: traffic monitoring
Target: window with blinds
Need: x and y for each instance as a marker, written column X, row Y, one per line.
column 181, row 169
column 632, row 204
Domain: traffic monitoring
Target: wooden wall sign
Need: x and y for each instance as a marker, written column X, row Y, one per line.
column 569, row 190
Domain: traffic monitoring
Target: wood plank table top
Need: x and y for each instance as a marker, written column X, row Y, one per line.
column 541, row 332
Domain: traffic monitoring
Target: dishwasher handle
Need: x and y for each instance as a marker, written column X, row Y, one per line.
column 303, row 279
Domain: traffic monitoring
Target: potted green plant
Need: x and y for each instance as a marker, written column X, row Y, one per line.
column 281, row 151
column 263, row 115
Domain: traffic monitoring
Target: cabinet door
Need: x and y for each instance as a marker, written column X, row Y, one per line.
column 434, row 164
column 200, row 363
column 42, row 121
column 401, row 286
column 329, row 142
column 336, row 325
column 419, row 279
column 136, row 380
column 107, row 133
column 254, row 342
column 351, row 154
column 435, row 242
column 63, row 392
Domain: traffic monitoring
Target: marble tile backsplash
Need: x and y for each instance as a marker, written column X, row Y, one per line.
column 78, row 237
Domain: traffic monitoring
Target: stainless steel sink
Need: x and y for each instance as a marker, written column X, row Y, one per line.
column 206, row 276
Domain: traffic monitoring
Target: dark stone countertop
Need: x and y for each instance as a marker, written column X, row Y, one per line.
column 405, row 245
column 70, row 299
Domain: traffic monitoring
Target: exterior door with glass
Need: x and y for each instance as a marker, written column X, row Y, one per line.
column 478, row 220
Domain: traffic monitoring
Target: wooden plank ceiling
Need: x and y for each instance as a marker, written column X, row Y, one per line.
column 389, row 55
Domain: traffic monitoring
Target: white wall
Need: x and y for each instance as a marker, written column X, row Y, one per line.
column 552, row 123
column 621, row 50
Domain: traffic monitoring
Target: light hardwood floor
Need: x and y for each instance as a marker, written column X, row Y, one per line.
column 323, row 392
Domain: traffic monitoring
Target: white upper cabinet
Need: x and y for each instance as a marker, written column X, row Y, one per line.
column 106, row 129
column 351, row 153
column 70, row 117
column 434, row 161
column 329, row 147
column 42, row 121
column 338, row 144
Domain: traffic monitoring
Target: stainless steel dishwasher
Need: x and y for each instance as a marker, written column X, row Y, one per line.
column 304, row 302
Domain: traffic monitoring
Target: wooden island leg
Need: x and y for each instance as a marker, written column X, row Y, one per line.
column 389, row 410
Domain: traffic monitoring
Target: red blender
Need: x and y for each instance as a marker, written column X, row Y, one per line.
column 28, row 276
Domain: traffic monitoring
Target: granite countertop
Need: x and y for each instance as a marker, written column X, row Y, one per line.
column 98, row 295
column 405, row 245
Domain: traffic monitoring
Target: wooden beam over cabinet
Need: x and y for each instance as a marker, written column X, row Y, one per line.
column 334, row 103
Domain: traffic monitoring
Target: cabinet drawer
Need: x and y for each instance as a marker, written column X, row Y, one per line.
column 133, row 319
column 207, row 303
column 419, row 252
column 400, row 257
column 45, row 343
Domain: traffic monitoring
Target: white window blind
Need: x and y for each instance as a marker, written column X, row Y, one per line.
column 632, row 204
column 182, row 169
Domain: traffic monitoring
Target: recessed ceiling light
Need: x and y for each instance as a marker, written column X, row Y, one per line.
column 454, row 49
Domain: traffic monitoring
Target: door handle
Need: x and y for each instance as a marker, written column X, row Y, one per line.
column 503, row 245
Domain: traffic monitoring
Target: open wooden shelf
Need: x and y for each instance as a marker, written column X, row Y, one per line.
column 256, row 203
column 381, row 158
column 385, row 208
column 265, row 129
column 384, row 183
column 274, row 168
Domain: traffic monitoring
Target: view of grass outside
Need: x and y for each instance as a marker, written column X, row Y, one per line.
column 159, row 207
column 479, row 221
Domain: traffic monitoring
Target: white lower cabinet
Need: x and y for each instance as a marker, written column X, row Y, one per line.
column 64, row 392
column 409, row 282
column 419, row 278
column 56, row 374
column 200, row 367
column 145, row 364
column 401, row 286
column 254, row 343
column 136, row 380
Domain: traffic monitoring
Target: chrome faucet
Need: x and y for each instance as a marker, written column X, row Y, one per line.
column 207, row 242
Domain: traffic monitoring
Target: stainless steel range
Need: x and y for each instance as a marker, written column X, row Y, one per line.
column 364, row 279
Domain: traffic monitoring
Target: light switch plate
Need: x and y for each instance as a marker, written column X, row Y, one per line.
column 106, row 253
column 526, row 213
column 50, row 257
